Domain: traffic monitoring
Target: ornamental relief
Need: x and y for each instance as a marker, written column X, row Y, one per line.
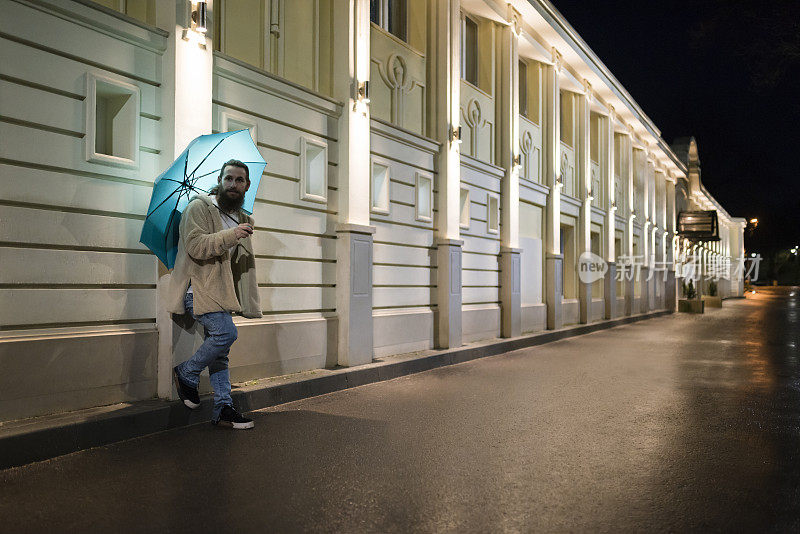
column 531, row 157
column 406, row 94
column 480, row 131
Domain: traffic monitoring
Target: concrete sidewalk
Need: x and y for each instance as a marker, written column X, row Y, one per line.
column 40, row 438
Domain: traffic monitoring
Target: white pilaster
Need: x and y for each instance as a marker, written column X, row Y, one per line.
column 610, row 283
column 551, row 150
column 510, row 295
column 351, row 61
column 629, row 280
column 186, row 113
column 584, row 176
column 446, row 15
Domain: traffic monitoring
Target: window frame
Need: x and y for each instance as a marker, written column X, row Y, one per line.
column 464, row 18
column 374, row 160
column 417, row 192
column 305, row 142
column 382, row 20
column 90, row 114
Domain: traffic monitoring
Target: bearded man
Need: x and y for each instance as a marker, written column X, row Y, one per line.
column 215, row 276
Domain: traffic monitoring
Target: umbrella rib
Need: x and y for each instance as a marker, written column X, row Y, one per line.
column 163, row 202
column 171, row 217
column 204, row 159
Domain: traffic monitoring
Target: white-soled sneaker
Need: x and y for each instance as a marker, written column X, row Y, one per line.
column 187, row 393
column 231, row 418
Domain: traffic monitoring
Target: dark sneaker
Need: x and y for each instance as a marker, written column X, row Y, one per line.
column 231, row 418
column 187, row 393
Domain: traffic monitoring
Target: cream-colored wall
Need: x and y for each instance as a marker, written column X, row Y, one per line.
column 78, row 304
column 478, row 113
column 289, row 38
column 398, row 81
column 143, row 10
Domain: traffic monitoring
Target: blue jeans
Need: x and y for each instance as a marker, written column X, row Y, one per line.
column 220, row 333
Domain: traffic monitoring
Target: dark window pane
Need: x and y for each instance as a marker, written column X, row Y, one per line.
column 374, row 11
column 471, row 51
column 523, row 88
column 397, row 18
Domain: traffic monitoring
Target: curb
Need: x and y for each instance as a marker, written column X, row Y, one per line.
column 41, row 438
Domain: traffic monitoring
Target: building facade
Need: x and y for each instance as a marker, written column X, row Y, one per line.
column 436, row 169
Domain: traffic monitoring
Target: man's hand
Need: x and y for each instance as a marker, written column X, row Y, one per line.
column 243, row 230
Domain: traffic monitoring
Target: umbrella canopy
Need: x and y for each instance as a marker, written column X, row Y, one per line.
column 195, row 172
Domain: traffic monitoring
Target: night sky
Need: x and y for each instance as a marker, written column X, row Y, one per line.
column 726, row 72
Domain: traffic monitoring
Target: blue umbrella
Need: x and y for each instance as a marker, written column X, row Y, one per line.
column 195, row 172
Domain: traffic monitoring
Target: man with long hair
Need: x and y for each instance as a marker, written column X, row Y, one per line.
column 215, row 276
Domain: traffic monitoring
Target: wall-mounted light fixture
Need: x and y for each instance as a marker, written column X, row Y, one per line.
column 559, row 182
column 517, row 161
column 455, row 135
column 363, row 92
column 633, row 215
column 589, row 195
column 198, row 23
column 200, row 18
column 614, row 206
column 361, row 95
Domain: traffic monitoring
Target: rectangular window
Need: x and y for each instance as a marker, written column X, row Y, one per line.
column 313, row 170
column 379, row 187
column 567, row 118
column 391, row 15
column 424, row 197
column 112, row 121
column 469, row 52
column 523, row 88
column 231, row 122
column 492, row 214
column 463, row 221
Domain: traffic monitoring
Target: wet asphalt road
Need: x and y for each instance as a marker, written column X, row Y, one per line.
column 679, row 423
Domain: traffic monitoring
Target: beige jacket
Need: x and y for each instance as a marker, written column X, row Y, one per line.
column 204, row 259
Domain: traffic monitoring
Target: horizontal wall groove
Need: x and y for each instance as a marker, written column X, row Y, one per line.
column 78, row 59
column 482, row 287
column 280, row 176
column 278, row 149
column 493, row 254
column 150, row 116
column 70, row 209
column 297, row 285
column 397, row 223
column 464, row 182
column 286, row 312
column 77, row 286
column 481, row 236
column 480, row 270
column 384, row 264
column 4, row 328
column 40, row 87
column 431, row 306
column 42, row 127
column 292, row 258
column 403, row 285
column 293, row 232
column 476, row 303
column 523, row 201
column 149, row 150
column 298, row 206
column 76, row 248
column 398, row 160
column 408, row 245
column 401, row 203
column 272, row 119
column 65, row 170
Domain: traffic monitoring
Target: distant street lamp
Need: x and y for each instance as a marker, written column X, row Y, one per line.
column 752, row 225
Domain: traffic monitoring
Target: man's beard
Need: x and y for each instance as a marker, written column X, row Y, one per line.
column 226, row 203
